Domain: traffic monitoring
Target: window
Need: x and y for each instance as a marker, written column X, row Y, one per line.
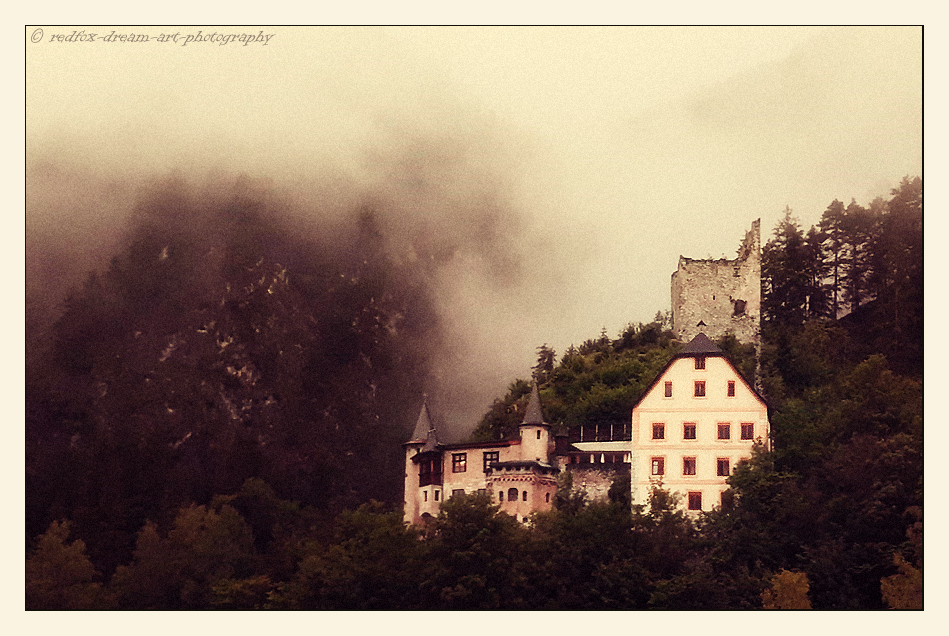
column 700, row 362
column 658, row 466
column 459, row 462
column 512, row 494
column 731, row 388
column 490, row 458
column 430, row 471
column 525, row 495
column 457, row 492
column 436, row 494
column 425, row 492
column 724, row 431
column 547, row 497
column 747, row 431
column 723, row 468
column 668, row 389
column 688, row 465
column 500, row 495
column 538, row 434
column 695, row 501
column 700, row 388
column 658, row 431
column 688, row 430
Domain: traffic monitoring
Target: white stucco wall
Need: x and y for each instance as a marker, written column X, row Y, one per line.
column 427, row 499
column 706, row 413
column 535, row 442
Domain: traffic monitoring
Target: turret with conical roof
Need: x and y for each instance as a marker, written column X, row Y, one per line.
column 534, row 414
column 424, row 428
column 423, row 467
column 535, row 433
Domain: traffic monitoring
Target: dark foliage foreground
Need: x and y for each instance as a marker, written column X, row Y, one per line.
column 166, row 383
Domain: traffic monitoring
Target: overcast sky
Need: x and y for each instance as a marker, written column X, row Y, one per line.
column 619, row 148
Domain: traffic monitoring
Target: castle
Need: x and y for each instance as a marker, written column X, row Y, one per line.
column 518, row 473
column 688, row 430
column 720, row 296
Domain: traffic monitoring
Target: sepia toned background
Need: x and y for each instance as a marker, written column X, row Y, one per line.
column 590, row 157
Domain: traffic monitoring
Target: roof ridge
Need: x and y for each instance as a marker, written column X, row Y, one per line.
column 700, row 345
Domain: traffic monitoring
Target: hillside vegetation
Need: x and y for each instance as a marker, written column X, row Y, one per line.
column 174, row 446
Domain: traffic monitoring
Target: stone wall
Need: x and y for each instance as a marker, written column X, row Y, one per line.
column 720, row 296
column 596, row 479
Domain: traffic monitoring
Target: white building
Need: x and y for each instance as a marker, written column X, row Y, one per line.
column 516, row 474
column 692, row 425
column 689, row 429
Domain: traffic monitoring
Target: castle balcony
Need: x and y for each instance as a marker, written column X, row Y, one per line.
column 601, row 432
column 430, row 479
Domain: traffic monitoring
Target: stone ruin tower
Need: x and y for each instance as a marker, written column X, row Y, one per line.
column 720, row 296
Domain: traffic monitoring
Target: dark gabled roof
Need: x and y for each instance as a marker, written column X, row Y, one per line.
column 534, row 414
column 543, row 466
column 700, row 346
column 475, row 445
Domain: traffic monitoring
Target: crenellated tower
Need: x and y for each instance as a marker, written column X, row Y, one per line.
column 720, row 296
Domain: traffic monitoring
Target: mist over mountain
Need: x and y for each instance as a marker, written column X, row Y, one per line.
column 438, row 208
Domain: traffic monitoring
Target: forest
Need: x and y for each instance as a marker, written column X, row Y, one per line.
column 215, row 422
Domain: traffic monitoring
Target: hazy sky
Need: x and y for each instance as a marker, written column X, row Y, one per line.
column 618, row 148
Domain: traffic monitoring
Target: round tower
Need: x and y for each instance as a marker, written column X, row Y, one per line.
column 421, row 457
column 535, row 433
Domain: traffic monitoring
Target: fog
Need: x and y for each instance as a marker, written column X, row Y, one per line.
column 558, row 173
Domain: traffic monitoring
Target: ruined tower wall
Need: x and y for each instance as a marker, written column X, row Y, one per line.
column 723, row 294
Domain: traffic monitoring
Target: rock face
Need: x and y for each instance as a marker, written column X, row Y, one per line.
column 720, row 296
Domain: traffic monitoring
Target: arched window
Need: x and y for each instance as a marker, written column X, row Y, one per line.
column 512, row 494
column 547, row 497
